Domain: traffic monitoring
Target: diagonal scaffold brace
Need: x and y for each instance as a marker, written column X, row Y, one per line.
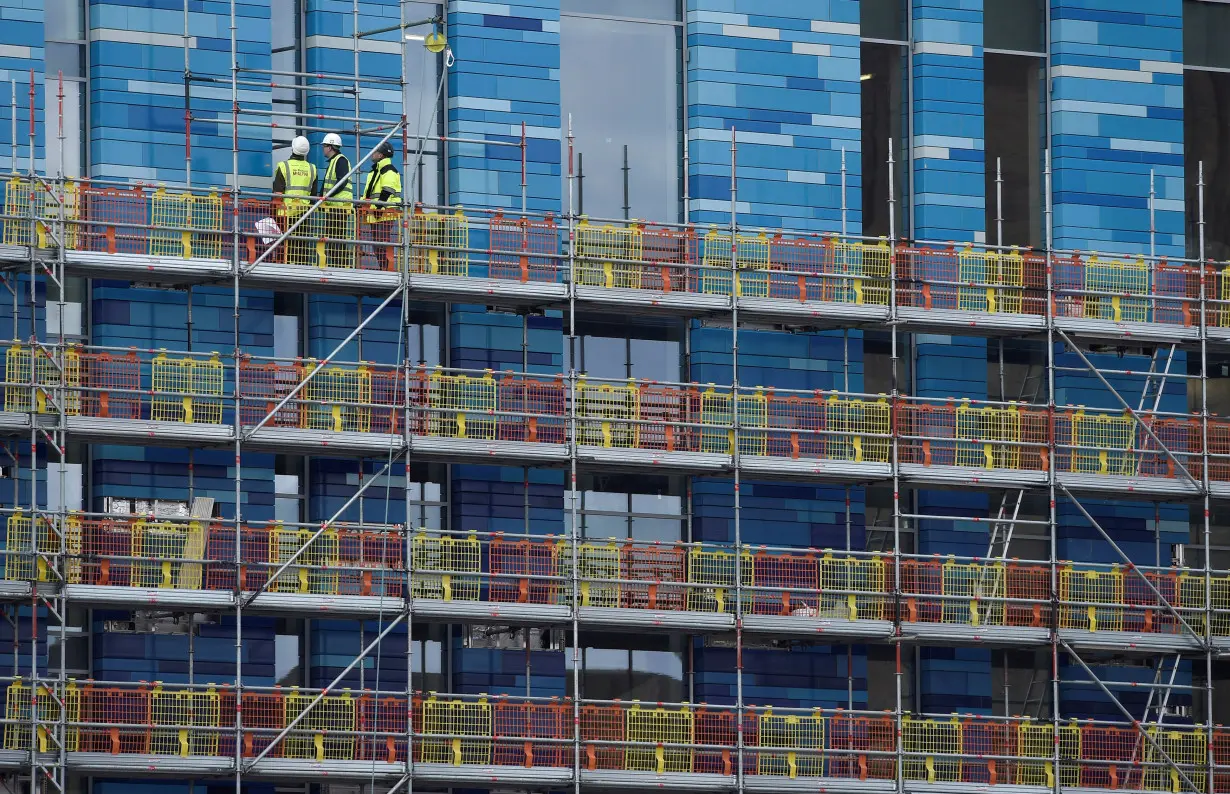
column 1132, row 412
column 1140, row 728
column 282, row 734
column 1132, row 566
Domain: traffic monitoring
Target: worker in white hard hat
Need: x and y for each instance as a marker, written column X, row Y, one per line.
column 339, row 207
column 294, row 183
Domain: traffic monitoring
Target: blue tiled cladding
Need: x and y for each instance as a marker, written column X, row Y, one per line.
column 494, row 498
column 124, row 316
column 949, row 150
column 484, row 670
column 173, row 787
column 119, row 656
column 785, row 75
column 24, row 627
column 778, row 514
column 802, row 677
column 137, row 91
column 1117, row 72
column 1088, row 701
column 22, row 40
column 160, row 473
column 16, row 322
column 950, row 366
column 507, row 72
column 335, row 644
column 331, row 318
column 332, row 482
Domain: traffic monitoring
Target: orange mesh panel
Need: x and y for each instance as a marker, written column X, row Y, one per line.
column 921, row 581
column 112, row 385
column 1219, row 450
column 669, row 258
column 513, row 562
column 125, row 711
column 252, row 242
column 524, row 250
column 926, row 278
column 1178, row 294
column 382, row 723
column 262, row 384
column 1148, row 613
column 971, row 434
column 531, row 409
column 795, row 422
column 853, row 742
column 369, row 563
column 715, row 727
column 1111, row 757
column 799, row 266
column 253, row 552
column 664, row 409
column 518, row 725
column 114, row 220
column 105, row 546
column 981, row 738
column 606, row 724
column 1032, row 582
column 652, row 569
column 263, row 716
column 387, row 395
column 781, row 570
column 1220, row 747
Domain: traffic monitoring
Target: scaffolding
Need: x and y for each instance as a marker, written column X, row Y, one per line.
column 740, row 592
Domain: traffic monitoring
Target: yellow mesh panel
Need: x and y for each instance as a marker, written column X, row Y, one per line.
column 609, row 256
column 460, row 720
column 988, row 438
column 338, row 399
column 970, row 585
column 661, row 726
column 159, row 548
column 19, row 194
column 439, row 242
column 863, row 272
column 462, row 406
column 186, row 390
column 849, row 419
column 1034, row 740
column 859, row 575
column 458, row 560
column 751, row 260
column 23, row 560
column 1112, row 275
column 711, row 574
column 314, row 571
column 186, row 225
column 753, row 414
column 791, row 732
column 183, row 711
column 1091, row 589
column 73, row 547
column 337, row 223
column 315, row 737
column 1186, row 747
column 595, row 561
column 605, row 414
column 997, row 277
column 18, row 712
column 1103, row 444
column 931, row 745
column 24, row 364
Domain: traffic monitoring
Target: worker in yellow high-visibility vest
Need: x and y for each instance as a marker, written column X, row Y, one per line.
column 383, row 196
column 294, row 184
column 339, row 207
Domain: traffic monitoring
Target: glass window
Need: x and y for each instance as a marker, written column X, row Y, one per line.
column 1014, row 25
column 883, row 19
column 66, row 58
column 638, row 9
column 1206, row 28
column 882, row 83
column 1015, row 124
column 63, row 20
column 1206, row 139
column 649, row 675
column 620, row 83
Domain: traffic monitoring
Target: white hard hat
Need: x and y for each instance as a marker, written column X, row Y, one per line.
column 299, row 145
column 332, row 139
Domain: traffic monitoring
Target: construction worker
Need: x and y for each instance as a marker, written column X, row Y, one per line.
column 339, row 207
column 294, row 183
column 383, row 194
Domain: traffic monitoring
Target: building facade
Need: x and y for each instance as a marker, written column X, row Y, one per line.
column 747, row 389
